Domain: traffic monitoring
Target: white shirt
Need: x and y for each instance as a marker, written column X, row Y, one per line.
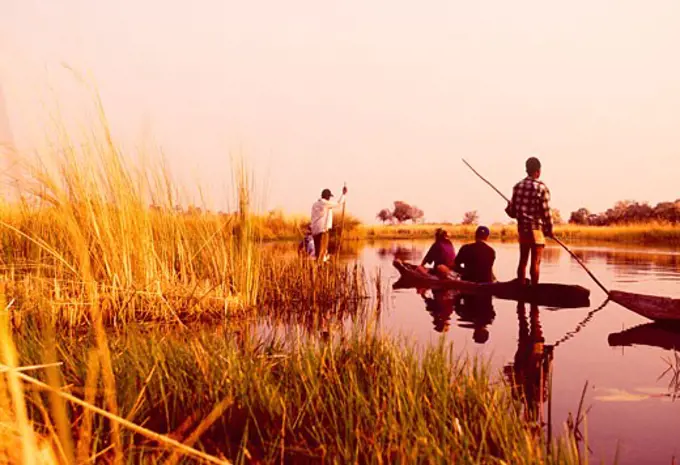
column 322, row 214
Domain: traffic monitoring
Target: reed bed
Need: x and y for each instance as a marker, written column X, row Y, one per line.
column 82, row 238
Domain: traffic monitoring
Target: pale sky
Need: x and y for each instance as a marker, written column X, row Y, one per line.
column 385, row 95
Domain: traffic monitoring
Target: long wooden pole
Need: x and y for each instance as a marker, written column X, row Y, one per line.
column 342, row 223
column 578, row 260
column 484, row 179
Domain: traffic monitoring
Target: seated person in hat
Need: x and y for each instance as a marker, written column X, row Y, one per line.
column 474, row 262
column 441, row 254
column 306, row 246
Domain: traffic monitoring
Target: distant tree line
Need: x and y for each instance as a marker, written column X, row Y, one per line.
column 402, row 212
column 628, row 211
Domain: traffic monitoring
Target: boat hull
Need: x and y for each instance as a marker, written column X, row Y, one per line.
column 662, row 309
column 546, row 294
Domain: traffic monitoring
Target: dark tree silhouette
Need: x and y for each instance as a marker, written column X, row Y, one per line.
column 384, row 215
column 628, row 211
column 404, row 212
column 471, row 217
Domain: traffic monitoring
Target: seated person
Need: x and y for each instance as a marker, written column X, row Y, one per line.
column 441, row 254
column 306, row 246
column 474, row 262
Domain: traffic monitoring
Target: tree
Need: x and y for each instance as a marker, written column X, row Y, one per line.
column 417, row 214
column 629, row 211
column 384, row 215
column 580, row 216
column 556, row 216
column 471, row 217
column 404, row 212
column 667, row 212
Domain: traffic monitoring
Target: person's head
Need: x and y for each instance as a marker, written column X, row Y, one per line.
column 441, row 234
column 326, row 194
column 482, row 233
column 533, row 166
column 308, row 228
column 480, row 335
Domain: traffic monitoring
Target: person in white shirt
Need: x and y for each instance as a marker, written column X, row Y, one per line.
column 322, row 220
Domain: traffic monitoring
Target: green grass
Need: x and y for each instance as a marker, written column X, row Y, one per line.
column 357, row 398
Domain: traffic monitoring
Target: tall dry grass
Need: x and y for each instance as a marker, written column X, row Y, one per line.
column 83, row 235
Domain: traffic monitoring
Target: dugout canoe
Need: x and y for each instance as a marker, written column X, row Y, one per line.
column 546, row 294
column 661, row 309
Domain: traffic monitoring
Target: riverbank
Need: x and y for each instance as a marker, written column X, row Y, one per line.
column 643, row 234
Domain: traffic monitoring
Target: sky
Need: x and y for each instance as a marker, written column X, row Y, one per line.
column 387, row 96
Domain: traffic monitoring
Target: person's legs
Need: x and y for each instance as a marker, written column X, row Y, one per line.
column 317, row 244
column 442, row 271
column 524, row 250
column 323, row 246
column 536, row 256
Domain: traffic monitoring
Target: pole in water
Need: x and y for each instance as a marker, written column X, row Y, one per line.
column 578, row 260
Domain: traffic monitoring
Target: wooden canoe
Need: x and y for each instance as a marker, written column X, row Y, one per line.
column 649, row 334
column 546, row 294
column 662, row 309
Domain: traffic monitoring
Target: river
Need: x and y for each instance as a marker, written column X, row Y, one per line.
column 630, row 391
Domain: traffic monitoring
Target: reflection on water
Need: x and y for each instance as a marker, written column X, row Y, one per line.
column 633, row 260
column 440, row 307
column 528, row 373
column 405, row 253
column 659, row 335
column 650, row 334
column 474, row 312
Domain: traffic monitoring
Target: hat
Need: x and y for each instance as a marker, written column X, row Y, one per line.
column 326, row 193
column 482, row 231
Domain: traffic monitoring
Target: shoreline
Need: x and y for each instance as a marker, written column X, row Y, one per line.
column 630, row 235
column 647, row 235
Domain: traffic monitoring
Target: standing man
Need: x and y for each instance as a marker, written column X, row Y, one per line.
column 322, row 220
column 530, row 205
column 474, row 262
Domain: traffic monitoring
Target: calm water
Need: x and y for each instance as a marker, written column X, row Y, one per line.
column 629, row 396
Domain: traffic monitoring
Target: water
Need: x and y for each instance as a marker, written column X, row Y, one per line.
column 631, row 408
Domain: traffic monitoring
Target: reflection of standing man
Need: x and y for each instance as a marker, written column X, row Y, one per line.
column 530, row 370
column 322, row 221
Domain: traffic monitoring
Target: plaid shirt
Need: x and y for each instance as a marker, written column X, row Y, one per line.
column 530, row 205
